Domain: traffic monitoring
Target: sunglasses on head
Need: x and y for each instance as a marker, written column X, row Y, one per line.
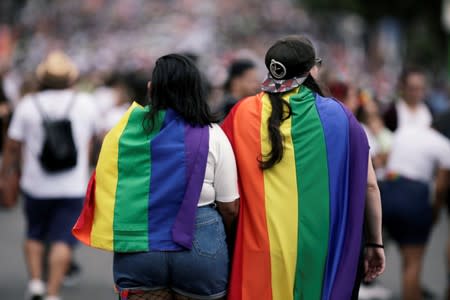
column 318, row 62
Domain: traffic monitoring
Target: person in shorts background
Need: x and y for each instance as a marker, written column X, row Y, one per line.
column 442, row 124
column 52, row 201
column 419, row 159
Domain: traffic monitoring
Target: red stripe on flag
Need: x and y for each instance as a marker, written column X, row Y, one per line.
column 251, row 276
column 83, row 227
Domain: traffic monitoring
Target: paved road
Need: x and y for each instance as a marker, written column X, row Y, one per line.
column 96, row 282
column 434, row 276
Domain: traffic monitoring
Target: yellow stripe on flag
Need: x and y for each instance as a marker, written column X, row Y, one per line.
column 281, row 202
column 106, row 184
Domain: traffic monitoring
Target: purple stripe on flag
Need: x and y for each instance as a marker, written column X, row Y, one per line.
column 196, row 151
column 359, row 155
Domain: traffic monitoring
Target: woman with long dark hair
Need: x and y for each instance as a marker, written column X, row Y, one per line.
column 164, row 182
column 304, row 175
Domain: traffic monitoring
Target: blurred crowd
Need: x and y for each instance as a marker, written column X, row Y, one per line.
column 115, row 43
column 108, row 36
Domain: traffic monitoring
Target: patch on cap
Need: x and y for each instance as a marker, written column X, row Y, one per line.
column 272, row 85
column 277, row 69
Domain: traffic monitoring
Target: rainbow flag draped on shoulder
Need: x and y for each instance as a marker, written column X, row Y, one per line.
column 300, row 223
column 144, row 192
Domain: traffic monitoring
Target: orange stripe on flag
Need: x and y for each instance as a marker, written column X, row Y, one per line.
column 251, row 261
column 83, row 227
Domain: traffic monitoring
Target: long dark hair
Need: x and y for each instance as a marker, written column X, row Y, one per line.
column 177, row 84
column 298, row 56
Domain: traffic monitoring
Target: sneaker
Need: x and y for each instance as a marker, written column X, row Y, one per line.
column 374, row 291
column 35, row 290
column 73, row 275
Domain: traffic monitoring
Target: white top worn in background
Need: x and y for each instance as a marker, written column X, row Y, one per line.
column 417, row 152
column 26, row 127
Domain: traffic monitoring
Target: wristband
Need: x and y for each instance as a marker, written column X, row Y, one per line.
column 373, row 245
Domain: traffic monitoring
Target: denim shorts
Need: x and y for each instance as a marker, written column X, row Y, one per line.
column 200, row 273
column 51, row 220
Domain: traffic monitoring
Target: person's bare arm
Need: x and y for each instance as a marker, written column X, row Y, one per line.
column 12, row 157
column 441, row 189
column 373, row 208
column 374, row 260
column 229, row 212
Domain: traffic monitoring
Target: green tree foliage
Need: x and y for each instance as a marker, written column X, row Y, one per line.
column 421, row 22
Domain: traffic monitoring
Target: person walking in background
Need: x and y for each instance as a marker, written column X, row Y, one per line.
column 347, row 93
column 410, row 109
column 442, row 124
column 411, row 112
column 122, row 98
column 417, row 154
column 379, row 136
column 380, row 140
column 243, row 81
column 52, row 191
column 365, row 109
column 162, row 172
column 5, row 114
column 304, row 174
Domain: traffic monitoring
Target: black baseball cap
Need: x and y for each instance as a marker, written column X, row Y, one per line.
column 290, row 57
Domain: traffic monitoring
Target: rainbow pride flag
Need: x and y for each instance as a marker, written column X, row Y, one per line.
column 300, row 223
column 144, row 192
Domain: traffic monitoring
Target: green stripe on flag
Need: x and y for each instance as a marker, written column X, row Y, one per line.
column 132, row 194
column 313, row 193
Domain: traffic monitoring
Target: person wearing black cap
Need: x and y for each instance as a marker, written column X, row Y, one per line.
column 242, row 82
column 307, row 186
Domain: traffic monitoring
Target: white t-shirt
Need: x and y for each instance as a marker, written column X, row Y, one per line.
column 26, row 127
column 417, row 152
column 220, row 182
column 419, row 117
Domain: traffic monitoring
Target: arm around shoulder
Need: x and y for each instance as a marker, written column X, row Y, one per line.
column 225, row 183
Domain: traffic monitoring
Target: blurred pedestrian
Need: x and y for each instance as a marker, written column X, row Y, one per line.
column 346, row 93
column 122, row 98
column 442, row 124
column 420, row 158
column 5, row 114
column 380, row 140
column 162, row 193
column 410, row 108
column 52, row 191
column 301, row 158
column 243, row 81
column 379, row 136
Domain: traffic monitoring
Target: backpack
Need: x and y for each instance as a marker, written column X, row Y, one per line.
column 59, row 152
